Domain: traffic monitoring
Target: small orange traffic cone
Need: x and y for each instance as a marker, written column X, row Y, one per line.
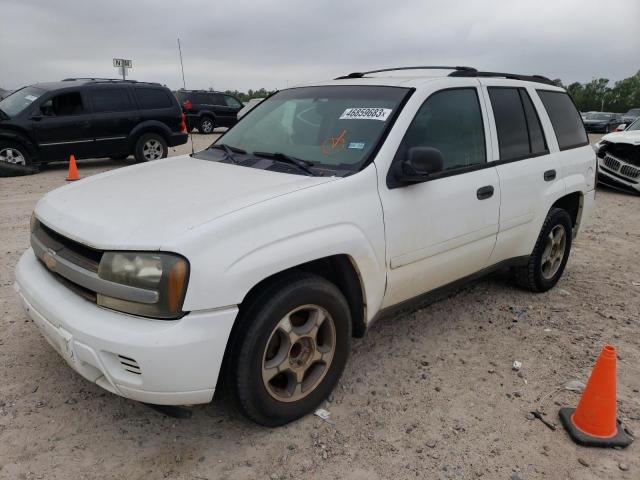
column 73, row 170
column 594, row 422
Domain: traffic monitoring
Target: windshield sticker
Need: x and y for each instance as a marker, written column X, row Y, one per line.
column 334, row 144
column 366, row 113
column 31, row 98
column 356, row 145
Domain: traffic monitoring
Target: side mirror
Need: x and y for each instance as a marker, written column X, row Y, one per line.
column 621, row 127
column 419, row 163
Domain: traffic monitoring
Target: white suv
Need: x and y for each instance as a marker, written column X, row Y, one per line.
column 252, row 264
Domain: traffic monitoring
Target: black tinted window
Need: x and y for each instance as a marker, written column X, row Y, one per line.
column 451, row 121
column 537, row 142
column 232, row 102
column 110, row 100
column 565, row 119
column 63, row 105
column 202, row 98
column 153, row 98
column 511, row 123
column 218, row 99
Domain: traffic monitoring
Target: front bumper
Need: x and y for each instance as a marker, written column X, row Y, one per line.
column 596, row 128
column 614, row 176
column 164, row 362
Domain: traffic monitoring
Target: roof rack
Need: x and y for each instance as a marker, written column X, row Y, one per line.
column 511, row 76
column 106, row 80
column 427, row 67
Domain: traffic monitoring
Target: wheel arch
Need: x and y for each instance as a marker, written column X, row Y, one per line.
column 572, row 203
column 151, row 126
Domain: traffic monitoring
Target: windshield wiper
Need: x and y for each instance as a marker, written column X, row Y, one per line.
column 229, row 151
column 284, row 158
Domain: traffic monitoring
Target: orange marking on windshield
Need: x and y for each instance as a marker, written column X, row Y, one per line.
column 334, row 144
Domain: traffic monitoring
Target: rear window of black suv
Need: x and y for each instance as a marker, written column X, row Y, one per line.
column 565, row 119
column 153, row 98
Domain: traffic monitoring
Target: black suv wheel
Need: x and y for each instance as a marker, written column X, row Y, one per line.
column 206, row 125
column 150, row 146
column 289, row 349
column 14, row 160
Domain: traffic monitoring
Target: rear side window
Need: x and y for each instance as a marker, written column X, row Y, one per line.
column 110, row 100
column 518, row 126
column 202, row 98
column 153, row 98
column 565, row 119
column 232, row 102
column 451, row 121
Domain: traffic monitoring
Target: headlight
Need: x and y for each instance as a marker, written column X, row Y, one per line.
column 33, row 225
column 164, row 273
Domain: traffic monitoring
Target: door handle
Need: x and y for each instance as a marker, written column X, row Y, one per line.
column 549, row 175
column 485, row 192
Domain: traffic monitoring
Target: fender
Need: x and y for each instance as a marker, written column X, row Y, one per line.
column 148, row 126
column 21, row 138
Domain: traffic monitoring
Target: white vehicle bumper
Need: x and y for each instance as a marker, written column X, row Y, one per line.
column 164, row 362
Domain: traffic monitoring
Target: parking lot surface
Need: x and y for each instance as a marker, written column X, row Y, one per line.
column 431, row 394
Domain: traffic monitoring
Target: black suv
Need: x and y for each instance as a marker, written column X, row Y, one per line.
column 206, row 110
column 89, row 118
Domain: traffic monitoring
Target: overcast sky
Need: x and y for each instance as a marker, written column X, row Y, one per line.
column 241, row 44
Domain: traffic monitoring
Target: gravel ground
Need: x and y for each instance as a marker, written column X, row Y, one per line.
column 430, row 394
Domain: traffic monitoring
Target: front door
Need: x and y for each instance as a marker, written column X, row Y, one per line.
column 114, row 117
column 62, row 127
column 445, row 228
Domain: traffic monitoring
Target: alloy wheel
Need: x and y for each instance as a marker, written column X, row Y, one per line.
column 553, row 253
column 152, row 150
column 207, row 126
column 13, row 156
column 299, row 353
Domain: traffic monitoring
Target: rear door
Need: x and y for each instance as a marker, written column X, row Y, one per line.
column 530, row 172
column 159, row 104
column 62, row 126
column 226, row 116
column 114, row 117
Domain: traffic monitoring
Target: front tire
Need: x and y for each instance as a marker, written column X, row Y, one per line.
column 550, row 254
column 149, row 147
column 289, row 349
column 206, row 125
column 15, row 160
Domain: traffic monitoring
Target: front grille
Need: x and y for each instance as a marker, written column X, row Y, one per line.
column 623, row 169
column 626, row 152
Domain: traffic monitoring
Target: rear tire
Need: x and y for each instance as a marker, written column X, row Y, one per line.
column 550, row 254
column 289, row 348
column 206, row 125
column 150, row 146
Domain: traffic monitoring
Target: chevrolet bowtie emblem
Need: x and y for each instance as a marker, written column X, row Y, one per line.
column 49, row 259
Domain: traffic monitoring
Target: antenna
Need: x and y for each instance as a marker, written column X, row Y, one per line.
column 184, row 86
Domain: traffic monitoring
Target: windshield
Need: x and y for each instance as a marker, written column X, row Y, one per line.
column 598, row 116
column 334, row 127
column 19, row 100
column 635, row 125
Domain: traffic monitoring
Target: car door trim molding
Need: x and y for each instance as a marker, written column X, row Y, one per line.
column 450, row 244
column 123, row 137
column 49, row 144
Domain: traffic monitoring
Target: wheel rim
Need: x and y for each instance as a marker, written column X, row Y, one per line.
column 207, row 126
column 553, row 253
column 152, row 150
column 13, row 156
column 299, row 353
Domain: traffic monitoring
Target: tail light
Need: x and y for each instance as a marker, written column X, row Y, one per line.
column 183, row 123
column 187, row 105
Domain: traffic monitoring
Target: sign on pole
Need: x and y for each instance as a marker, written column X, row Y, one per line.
column 122, row 64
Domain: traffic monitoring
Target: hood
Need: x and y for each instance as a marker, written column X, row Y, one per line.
column 631, row 137
column 145, row 206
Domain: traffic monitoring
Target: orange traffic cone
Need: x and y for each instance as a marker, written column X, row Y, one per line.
column 73, row 170
column 594, row 422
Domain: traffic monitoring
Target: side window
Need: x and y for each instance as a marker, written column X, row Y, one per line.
column 152, row 98
column 520, row 134
column 110, row 100
column 451, row 121
column 63, row 105
column 202, row 98
column 565, row 119
column 232, row 102
column 218, row 99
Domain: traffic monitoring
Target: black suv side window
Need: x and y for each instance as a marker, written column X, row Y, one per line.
column 110, row 100
column 232, row 102
column 202, row 98
column 150, row 98
column 565, row 119
column 519, row 131
column 69, row 103
column 451, row 121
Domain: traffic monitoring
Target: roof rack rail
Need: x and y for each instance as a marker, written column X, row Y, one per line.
column 511, row 76
column 426, row 67
column 74, row 79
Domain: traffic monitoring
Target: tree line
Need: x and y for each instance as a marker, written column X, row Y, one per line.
column 246, row 96
column 597, row 95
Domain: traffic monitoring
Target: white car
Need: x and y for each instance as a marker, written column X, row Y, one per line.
column 254, row 262
column 619, row 159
